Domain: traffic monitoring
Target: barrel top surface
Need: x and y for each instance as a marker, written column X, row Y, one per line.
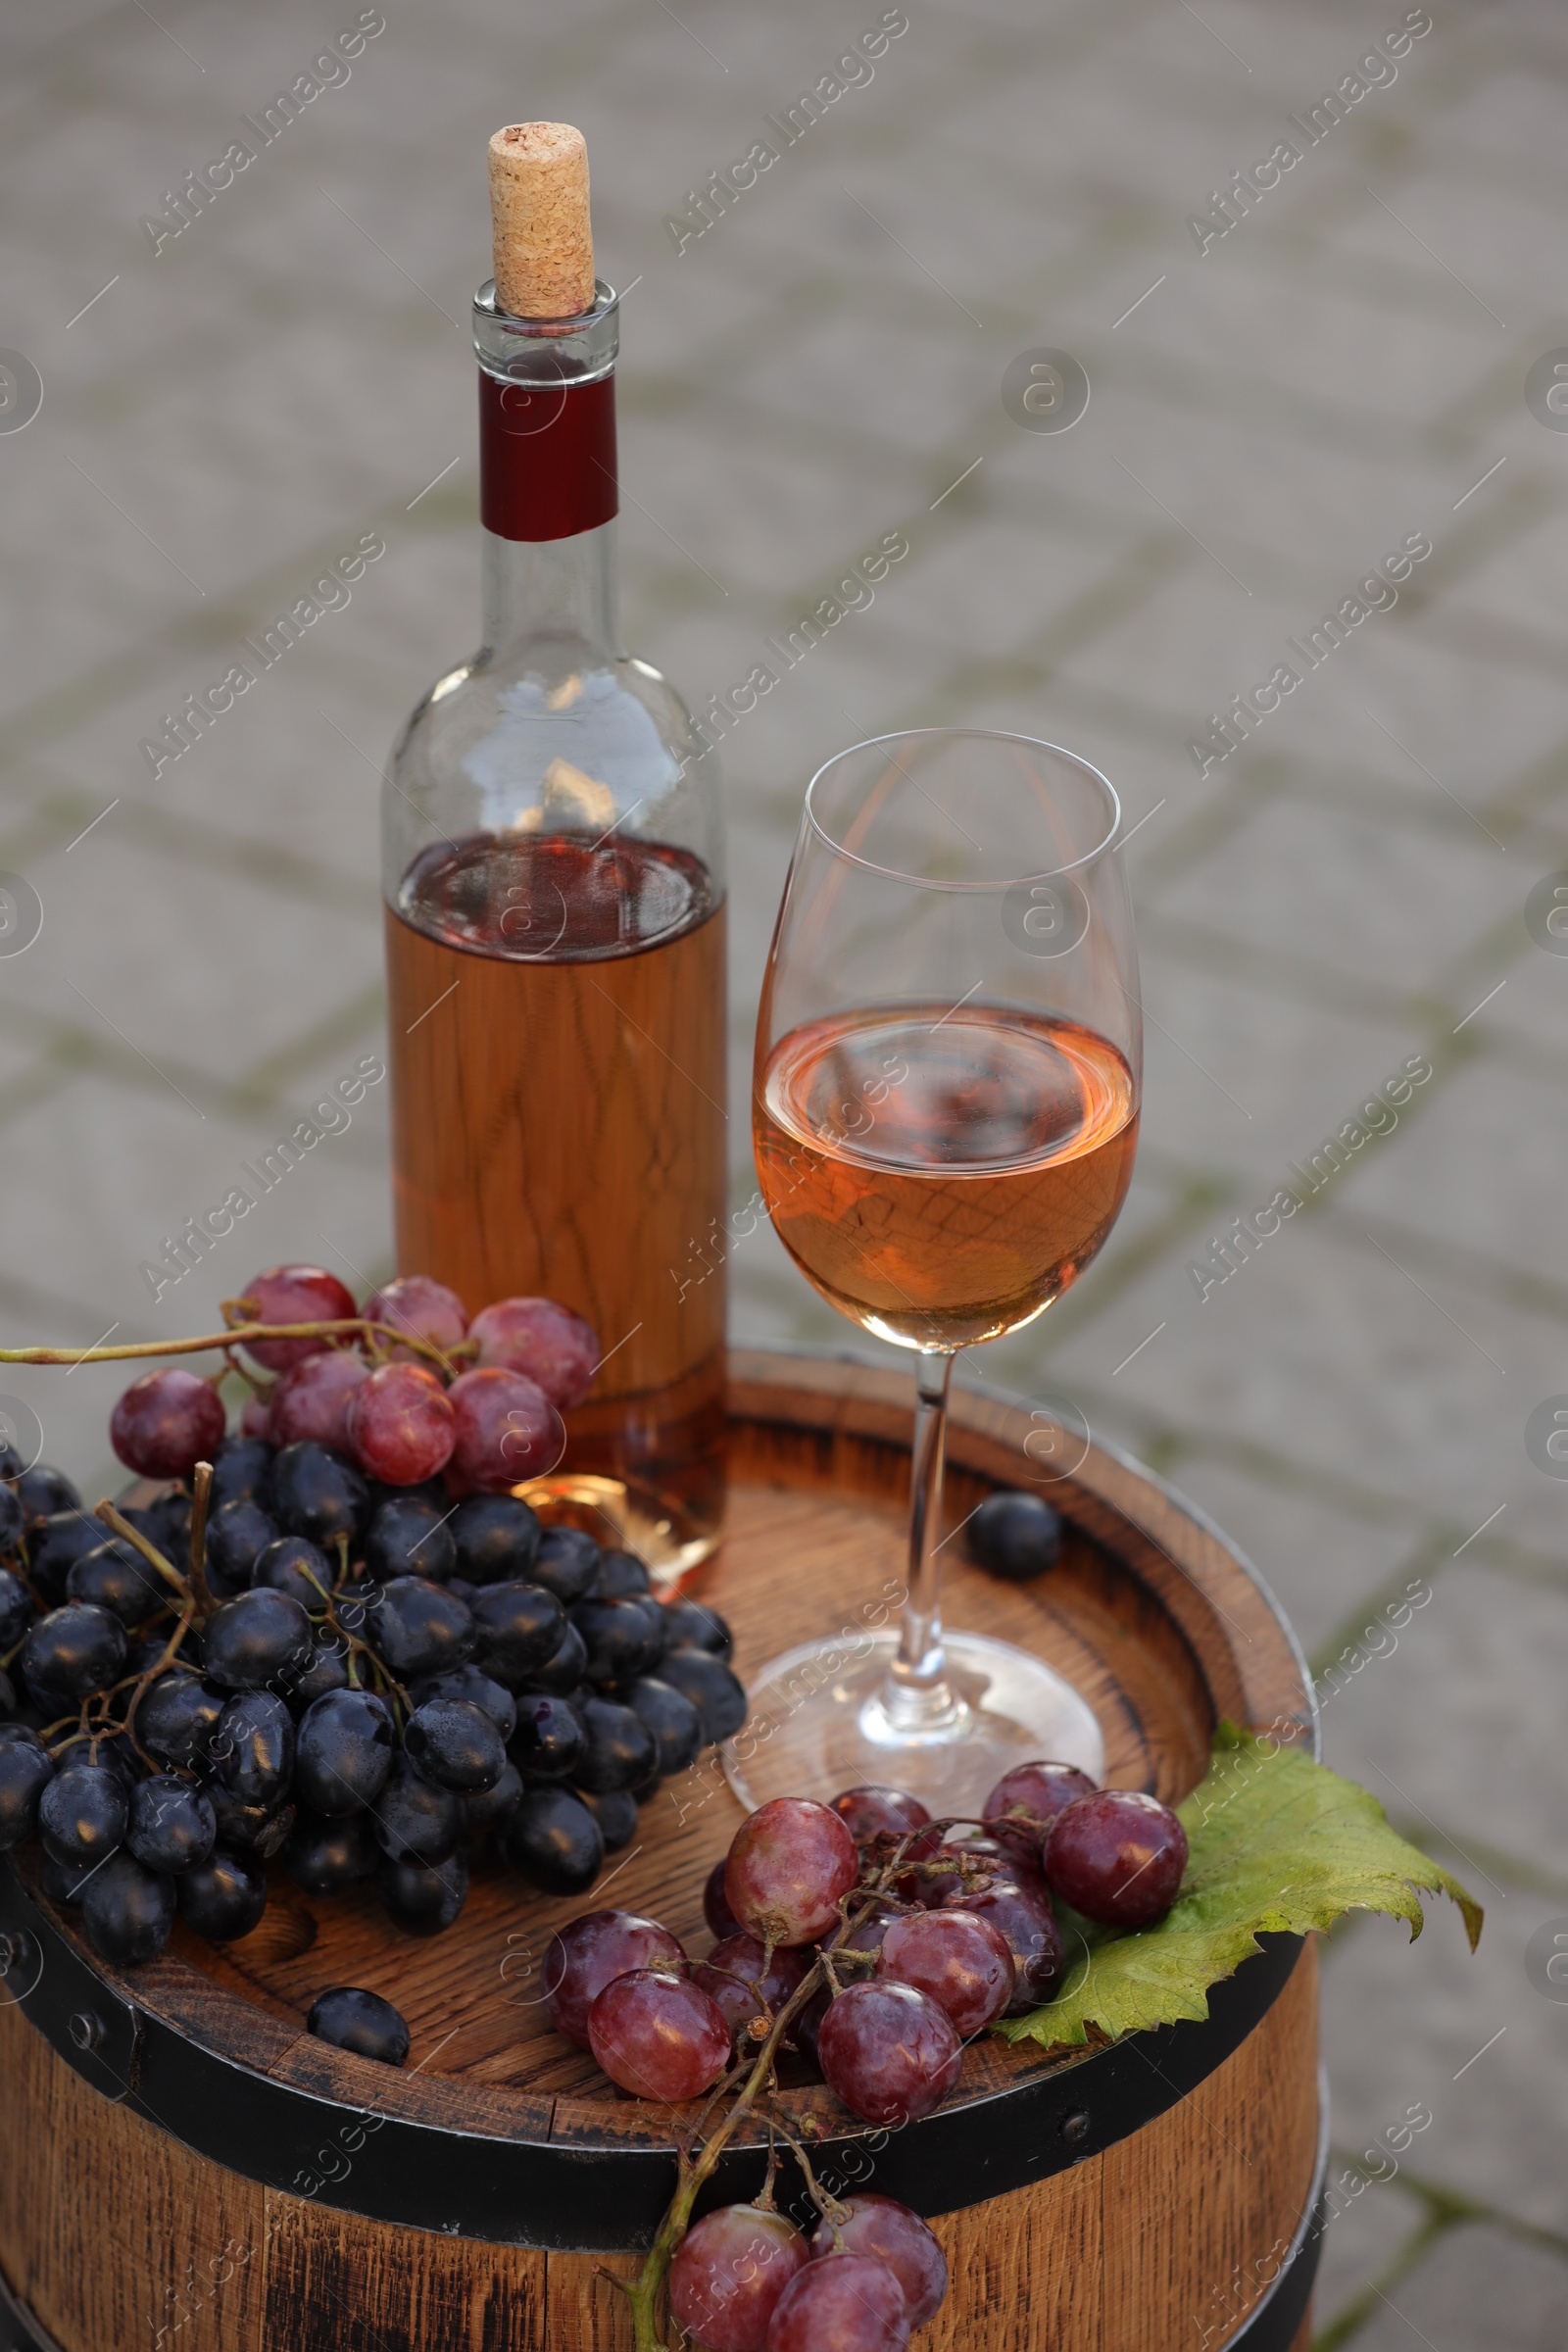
column 1149, row 1613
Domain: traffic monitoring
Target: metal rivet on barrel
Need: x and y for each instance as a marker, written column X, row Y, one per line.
column 1075, row 2126
column 86, row 2030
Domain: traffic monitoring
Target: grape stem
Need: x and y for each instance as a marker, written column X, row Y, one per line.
column 150, row 1552
column 200, row 1499
column 693, row 2172
column 238, row 1335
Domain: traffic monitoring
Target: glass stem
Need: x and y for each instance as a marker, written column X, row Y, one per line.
column 919, row 1694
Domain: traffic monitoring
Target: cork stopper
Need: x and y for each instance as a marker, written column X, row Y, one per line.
column 544, row 245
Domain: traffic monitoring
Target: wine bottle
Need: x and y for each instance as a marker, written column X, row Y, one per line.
column 552, row 870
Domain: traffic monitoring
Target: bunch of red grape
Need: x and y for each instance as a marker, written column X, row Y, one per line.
column 861, row 1944
column 322, row 1650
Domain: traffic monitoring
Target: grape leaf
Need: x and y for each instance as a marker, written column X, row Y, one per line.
column 1278, row 1843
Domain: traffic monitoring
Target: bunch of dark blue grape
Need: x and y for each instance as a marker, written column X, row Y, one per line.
column 366, row 1682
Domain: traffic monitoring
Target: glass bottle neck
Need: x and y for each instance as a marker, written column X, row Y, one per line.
column 543, row 591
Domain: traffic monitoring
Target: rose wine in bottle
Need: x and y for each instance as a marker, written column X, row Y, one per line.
column 553, row 864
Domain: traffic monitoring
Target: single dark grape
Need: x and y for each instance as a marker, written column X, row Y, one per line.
column 567, row 1564
column 362, row 2021
column 259, row 1637
column 55, row 1546
column 128, row 1911
column 888, row 2052
column 1117, row 1856
column 539, row 1337
column 63, row 1882
column 169, row 1529
column 82, row 1812
column 497, row 1539
column 566, row 1667
column 318, row 1494
column 433, row 1491
column 888, row 2231
column 328, row 1670
column 178, row 1717
column 672, row 1721
column 15, row 1605
column 982, row 1858
column 423, row 1309
column 327, row 1857
column 720, row 1919
column 847, row 2302
column 1026, row 1920
column 621, row 1575
column 1039, row 1791
column 517, row 1628
column 554, row 1841
column 713, row 1690
column 224, row 1898
column 24, row 1774
column 172, row 1826
column 422, row 1901
column 311, row 1402
column 261, row 1828
column 456, row 1744
column 478, row 1689
column 414, row 1820
column 167, row 1422
column 506, row 1429
column 789, row 1864
column 618, row 1637
column 619, row 1750
column 43, row 1493
column 695, row 1626
column 242, row 1472
column 1014, row 1535
column 869, row 1811
column 490, row 1808
column 77, row 1649
column 738, row 1974
column 12, row 1519
column 549, row 1738
column 237, row 1534
column 344, row 1751
column 659, row 2035
column 728, row 2272
column 589, row 1954
column 418, row 1628
column 253, row 1748
column 114, row 1576
column 615, row 1811
column 294, row 1294
column 401, row 1424
column 960, row 1959
column 409, row 1536
column 294, row 1565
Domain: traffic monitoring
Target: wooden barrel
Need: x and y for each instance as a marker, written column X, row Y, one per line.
column 181, row 2166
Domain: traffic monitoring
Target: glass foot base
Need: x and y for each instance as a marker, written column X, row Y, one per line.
column 825, row 1717
column 616, row 1511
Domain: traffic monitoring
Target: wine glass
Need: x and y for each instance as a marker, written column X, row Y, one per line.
column 945, row 1113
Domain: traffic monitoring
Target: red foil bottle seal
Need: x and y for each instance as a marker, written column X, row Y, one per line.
column 547, row 458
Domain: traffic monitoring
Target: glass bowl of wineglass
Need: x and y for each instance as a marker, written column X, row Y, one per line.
column 945, row 1116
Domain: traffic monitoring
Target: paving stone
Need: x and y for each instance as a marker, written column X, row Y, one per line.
column 1479, row 2291
column 1402, row 2022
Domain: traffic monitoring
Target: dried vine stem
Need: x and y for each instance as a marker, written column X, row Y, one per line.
column 238, row 1335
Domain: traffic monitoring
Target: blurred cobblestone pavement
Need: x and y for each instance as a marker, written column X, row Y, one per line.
column 1341, row 372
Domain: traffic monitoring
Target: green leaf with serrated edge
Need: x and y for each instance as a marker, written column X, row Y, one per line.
column 1277, row 1843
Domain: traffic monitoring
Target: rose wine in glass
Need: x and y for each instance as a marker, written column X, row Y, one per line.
column 945, row 1116
column 552, row 869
